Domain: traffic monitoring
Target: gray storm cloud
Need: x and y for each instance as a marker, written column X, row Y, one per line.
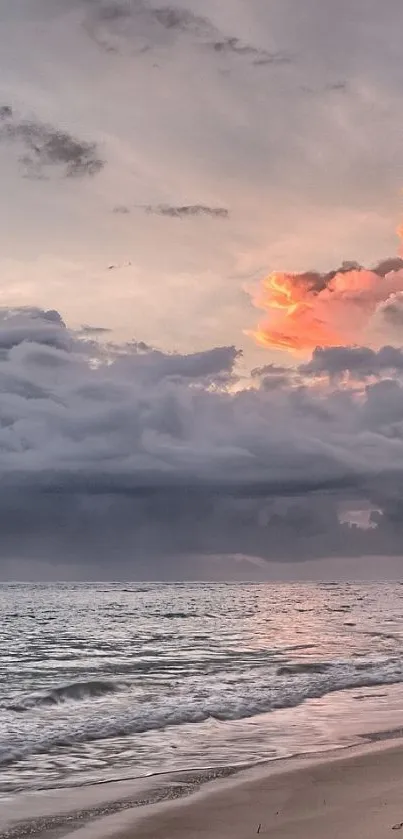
column 361, row 362
column 130, row 450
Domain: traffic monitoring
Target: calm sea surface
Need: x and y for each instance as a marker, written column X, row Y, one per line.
column 111, row 680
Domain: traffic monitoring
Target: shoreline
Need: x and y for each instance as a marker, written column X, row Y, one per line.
column 113, row 805
column 59, row 810
column 120, row 806
column 352, row 792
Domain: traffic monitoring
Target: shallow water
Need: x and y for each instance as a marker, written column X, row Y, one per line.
column 106, row 680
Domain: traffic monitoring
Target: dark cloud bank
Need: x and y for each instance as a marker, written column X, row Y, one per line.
column 126, row 460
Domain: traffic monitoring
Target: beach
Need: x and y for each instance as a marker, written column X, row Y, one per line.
column 354, row 795
column 355, row 792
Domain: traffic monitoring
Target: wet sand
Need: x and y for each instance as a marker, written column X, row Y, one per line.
column 64, row 810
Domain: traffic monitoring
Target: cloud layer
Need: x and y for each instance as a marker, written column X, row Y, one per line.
column 122, row 447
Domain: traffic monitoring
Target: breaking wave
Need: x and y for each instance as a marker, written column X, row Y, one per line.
column 72, row 692
column 133, row 715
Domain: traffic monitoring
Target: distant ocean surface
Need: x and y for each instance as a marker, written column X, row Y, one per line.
column 112, row 680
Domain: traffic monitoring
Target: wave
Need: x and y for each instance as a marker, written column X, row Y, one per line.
column 73, row 692
column 178, row 615
column 260, row 695
column 303, row 667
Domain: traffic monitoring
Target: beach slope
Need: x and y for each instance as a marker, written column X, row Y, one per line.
column 360, row 795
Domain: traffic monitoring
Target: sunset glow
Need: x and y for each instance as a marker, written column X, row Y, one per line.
column 307, row 310
column 293, row 324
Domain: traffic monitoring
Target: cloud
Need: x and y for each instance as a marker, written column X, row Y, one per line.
column 125, row 448
column 270, row 370
column 139, row 26
column 330, row 87
column 391, row 310
column 335, row 308
column 187, row 211
column 6, row 112
column 94, row 330
column 213, row 366
column 360, row 362
column 106, row 23
column 261, row 57
column 273, row 376
column 111, row 12
column 173, row 17
column 337, row 86
column 387, row 266
column 48, row 150
column 35, row 325
column 121, row 209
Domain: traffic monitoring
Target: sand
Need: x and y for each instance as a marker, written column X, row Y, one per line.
column 359, row 795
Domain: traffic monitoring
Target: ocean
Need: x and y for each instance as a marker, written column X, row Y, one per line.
column 108, row 680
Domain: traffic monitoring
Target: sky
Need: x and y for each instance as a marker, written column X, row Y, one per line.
column 201, row 295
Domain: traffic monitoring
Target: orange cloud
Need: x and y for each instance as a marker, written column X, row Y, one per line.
column 307, row 310
column 294, row 323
